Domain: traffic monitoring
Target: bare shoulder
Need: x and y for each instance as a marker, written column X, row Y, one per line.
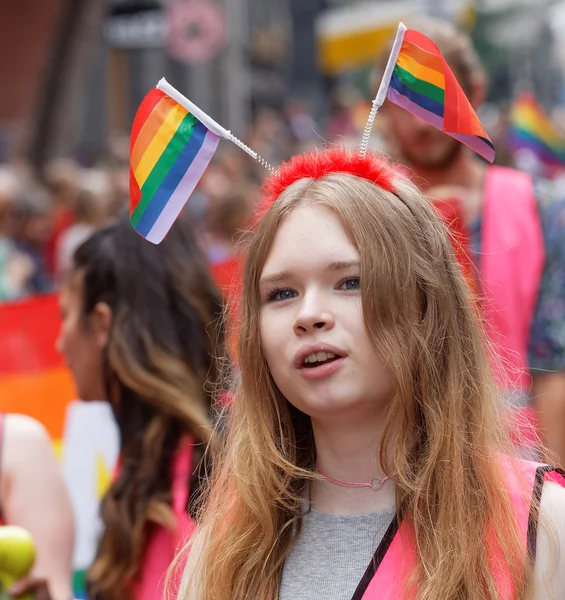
column 25, row 428
column 550, row 555
column 21, row 429
column 24, row 438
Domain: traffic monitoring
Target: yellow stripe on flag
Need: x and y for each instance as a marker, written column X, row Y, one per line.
column 527, row 117
column 58, row 449
column 420, row 71
column 103, row 477
column 159, row 143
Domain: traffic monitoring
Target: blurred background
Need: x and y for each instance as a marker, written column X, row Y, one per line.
column 78, row 69
column 283, row 75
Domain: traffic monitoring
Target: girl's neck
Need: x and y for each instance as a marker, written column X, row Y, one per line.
column 349, row 454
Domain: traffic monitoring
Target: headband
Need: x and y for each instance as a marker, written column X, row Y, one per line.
column 317, row 164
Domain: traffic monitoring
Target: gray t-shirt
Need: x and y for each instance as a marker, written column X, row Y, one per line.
column 331, row 555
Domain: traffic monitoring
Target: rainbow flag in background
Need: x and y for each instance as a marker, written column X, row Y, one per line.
column 34, row 379
column 169, row 151
column 422, row 83
column 532, row 129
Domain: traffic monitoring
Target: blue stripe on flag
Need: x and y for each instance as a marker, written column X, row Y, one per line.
column 423, row 101
column 172, row 180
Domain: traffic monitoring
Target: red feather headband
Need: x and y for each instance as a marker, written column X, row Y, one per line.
column 317, row 164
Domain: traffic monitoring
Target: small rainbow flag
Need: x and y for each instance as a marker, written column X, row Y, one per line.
column 419, row 80
column 532, row 129
column 170, row 149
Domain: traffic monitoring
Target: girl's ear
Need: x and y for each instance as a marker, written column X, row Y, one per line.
column 100, row 323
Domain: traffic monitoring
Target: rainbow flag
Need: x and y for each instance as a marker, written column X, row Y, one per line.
column 423, row 84
column 34, row 379
column 169, row 151
column 532, row 129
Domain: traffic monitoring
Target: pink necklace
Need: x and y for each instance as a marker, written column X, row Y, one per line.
column 376, row 483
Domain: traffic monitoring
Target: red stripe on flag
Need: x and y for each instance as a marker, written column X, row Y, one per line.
column 145, row 109
column 29, row 331
column 423, row 42
column 459, row 116
column 134, row 192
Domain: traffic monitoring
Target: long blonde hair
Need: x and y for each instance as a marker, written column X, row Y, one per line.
column 443, row 428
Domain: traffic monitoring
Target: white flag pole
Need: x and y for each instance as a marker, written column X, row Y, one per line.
column 383, row 87
column 208, row 122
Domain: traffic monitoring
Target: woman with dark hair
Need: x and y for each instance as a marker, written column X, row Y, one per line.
column 140, row 330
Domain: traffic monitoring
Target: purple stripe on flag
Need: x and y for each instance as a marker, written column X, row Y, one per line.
column 184, row 189
column 477, row 144
column 414, row 108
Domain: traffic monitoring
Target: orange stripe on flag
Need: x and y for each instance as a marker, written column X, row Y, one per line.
column 424, row 58
column 44, row 396
column 150, row 129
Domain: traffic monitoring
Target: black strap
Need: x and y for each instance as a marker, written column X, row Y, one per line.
column 377, row 559
column 533, row 517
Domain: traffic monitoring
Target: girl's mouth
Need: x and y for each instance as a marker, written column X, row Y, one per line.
column 317, row 359
column 319, row 368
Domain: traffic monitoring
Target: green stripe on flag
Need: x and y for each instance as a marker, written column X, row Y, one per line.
column 420, row 86
column 164, row 165
column 79, row 583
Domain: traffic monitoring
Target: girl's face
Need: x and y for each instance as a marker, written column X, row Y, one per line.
column 82, row 341
column 312, row 328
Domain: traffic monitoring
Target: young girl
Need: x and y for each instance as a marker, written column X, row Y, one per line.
column 366, row 456
column 138, row 331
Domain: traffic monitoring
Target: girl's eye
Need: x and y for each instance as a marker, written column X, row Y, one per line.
column 281, row 294
column 351, row 283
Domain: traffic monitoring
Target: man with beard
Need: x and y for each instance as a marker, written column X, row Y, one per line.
column 515, row 230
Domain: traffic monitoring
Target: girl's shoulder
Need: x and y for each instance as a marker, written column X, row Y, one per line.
column 23, row 431
column 26, row 445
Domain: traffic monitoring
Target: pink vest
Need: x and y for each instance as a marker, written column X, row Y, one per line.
column 164, row 543
column 511, row 264
column 387, row 576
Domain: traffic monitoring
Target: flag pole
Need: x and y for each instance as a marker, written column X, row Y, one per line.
column 208, row 122
column 383, row 87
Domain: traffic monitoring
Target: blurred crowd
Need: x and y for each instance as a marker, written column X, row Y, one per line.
column 43, row 219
